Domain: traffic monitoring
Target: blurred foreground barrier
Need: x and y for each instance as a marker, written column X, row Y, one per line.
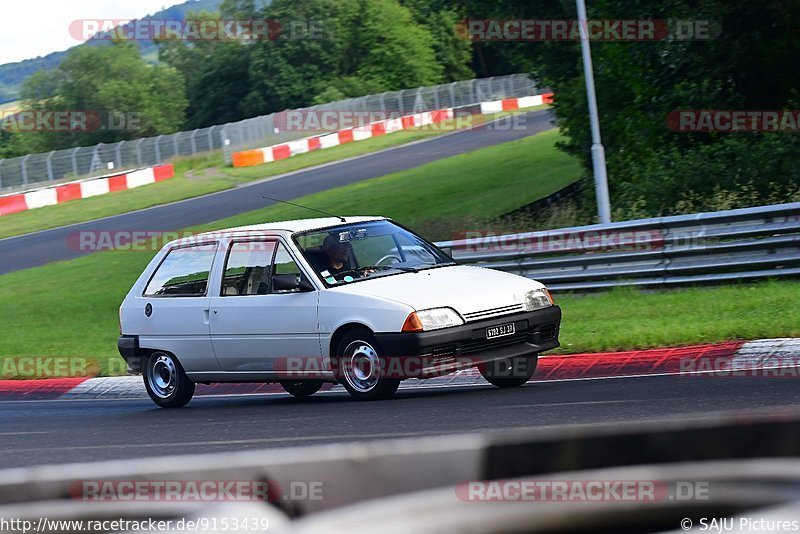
column 740, row 244
column 719, row 467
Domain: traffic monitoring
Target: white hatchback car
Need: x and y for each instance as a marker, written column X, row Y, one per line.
column 359, row 301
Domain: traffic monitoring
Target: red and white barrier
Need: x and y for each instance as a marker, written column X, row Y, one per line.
column 92, row 187
column 258, row 156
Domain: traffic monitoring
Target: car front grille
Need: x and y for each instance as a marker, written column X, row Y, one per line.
column 494, row 312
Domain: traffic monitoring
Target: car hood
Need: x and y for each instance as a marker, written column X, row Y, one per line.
column 469, row 290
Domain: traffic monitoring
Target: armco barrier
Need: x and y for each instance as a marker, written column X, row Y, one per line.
column 91, row 187
column 740, row 244
column 258, row 156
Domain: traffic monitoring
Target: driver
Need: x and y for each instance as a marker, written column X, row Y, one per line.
column 335, row 258
column 336, row 255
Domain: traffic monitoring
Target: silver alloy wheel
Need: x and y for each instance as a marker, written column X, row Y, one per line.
column 362, row 366
column 163, row 376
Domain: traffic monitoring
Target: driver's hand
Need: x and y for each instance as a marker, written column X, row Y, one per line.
column 367, row 272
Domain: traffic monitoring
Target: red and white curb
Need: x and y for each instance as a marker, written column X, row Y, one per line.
column 90, row 187
column 259, row 156
column 774, row 357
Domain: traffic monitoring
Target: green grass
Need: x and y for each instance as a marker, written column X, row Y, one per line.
column 628, row 318
column 202, row 175
column 70, row 308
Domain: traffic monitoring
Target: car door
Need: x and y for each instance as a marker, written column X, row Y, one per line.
column 256, row 328
column 175, row 306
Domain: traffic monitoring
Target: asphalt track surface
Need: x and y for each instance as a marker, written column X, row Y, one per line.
column 40, row 248
column 65, row 431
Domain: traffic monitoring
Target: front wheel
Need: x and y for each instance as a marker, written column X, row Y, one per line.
column 509, row 372
column 302, row 388
column 360, row 367
column 165, row 381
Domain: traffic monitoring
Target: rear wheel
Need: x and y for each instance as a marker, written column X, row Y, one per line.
column 302, row 388
column 166, row 382
column 361, row 368
column 509, row 372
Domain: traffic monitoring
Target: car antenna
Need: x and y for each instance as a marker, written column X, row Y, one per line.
column 305, row 207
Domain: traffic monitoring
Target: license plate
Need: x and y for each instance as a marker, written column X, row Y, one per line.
column 500, row 331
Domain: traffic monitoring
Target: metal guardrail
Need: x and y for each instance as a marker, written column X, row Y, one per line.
column 33, row 169
column 740, row 244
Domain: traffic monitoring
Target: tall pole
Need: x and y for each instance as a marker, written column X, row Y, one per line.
column 598, row 152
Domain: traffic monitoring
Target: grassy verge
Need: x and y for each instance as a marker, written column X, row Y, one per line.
column 202, row 175
column 70, row 308
column 628, row 318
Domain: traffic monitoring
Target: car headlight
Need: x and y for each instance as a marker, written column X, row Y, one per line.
column 434, row 319
column 537, row 299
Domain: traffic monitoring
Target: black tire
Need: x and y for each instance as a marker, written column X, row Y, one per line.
column 302, row 388
column 359, row 366
column 166, row 382
column 510, row 372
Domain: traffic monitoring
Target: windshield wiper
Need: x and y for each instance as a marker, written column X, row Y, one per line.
column 398, row 268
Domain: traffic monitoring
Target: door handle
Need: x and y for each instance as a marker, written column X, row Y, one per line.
column 205, row 317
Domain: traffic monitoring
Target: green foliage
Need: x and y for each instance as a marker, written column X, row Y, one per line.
column 365, row 47
column 215, row 72
column 105, row 80
column 652, row 169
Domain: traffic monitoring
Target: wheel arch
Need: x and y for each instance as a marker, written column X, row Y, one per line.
column 342, row 331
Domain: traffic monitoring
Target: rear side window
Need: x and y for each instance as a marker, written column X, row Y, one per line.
column 183, row 273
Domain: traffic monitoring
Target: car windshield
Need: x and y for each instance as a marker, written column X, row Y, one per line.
column 355, row 252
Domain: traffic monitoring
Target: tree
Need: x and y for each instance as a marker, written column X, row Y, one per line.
column 367, row 47
column 126, row 97
column 216, row 74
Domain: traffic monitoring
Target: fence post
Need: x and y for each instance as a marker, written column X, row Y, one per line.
column 24, row 167
column 119, row 154
column 211, row 138
column 74, row 156
column 193, row 142
column 175, row 146
column 95, row 160
column 158, row 149
column 139, row 152
column 50, row 165
column 1, row 172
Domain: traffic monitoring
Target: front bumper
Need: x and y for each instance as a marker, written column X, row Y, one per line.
column 427, row 354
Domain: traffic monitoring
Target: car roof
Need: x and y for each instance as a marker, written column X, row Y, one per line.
column 296, row 225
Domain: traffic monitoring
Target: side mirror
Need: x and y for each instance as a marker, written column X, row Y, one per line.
column 291, row 282
column 448, row 251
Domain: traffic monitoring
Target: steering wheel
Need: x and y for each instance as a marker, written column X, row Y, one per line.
column 358, row 271
column 388, row 257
